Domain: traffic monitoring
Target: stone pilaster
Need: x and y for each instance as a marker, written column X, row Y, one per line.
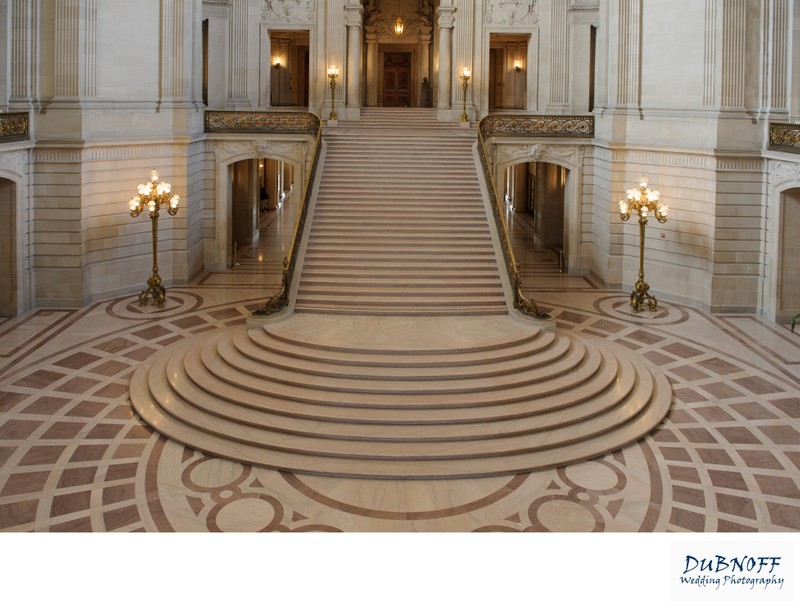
column 629, row 66
column 734, row 60
column 371, row 72
column 353, row 75
column 336, row 51
column 24, row 55
column 710, row 53
column 559, row 57
column 463, row 57
column 775, row 95
column 172, row 50
column 446, row 19
column 237, row 55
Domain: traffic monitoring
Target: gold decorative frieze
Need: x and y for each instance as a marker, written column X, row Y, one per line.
column 785, row 137
column 14, row 126
column 520, row 125
column 273, row 123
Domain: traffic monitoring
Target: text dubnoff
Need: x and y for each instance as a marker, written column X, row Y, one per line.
column 746, row 572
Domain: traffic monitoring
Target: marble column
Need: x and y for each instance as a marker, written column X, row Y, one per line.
column 353, row 20
column 445, row 21
column 371, row 35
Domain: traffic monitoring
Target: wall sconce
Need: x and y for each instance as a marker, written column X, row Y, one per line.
column 277, row 63
column 517, row 65
column 152, row 196
column 643, row 202
column 333, row 73
column 398, row 26
column 465, row 74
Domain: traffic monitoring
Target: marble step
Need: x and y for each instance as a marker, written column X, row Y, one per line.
column 364, row 400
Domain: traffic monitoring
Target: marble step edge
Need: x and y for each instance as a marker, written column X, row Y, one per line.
column 529, row 425
column 399, row 310
column 543, row 365
column 382, row 448
column 399, row 358
column 619, row 375
column 613, row 439
column 215, row 378
column 483, row 364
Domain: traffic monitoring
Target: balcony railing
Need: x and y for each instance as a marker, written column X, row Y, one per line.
column 271, row 123
column 14, row 126
column 276, row 123
column 784, row 137
column 522, row 125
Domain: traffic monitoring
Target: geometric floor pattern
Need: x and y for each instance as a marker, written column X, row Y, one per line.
column 75, row 457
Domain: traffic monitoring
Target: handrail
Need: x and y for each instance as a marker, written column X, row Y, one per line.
column 521, row 303
column 278, row 123
column 14, row 126
column 784, row 137
column 280, row 300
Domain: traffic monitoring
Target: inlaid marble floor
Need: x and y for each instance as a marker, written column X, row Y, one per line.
column 74, row 457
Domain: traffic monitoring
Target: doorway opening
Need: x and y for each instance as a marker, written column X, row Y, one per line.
column 261, row 211
column 290, row 68
column 396, row 80
column 8, row 249
column 535, row 194
column 508, row 74
column 789, row 260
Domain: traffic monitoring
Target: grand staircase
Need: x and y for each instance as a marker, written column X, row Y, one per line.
column 400, row 359
column 400, row 226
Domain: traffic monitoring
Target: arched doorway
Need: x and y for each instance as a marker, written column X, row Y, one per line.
column 789, row 256
column 8, row 249
column 535, row 195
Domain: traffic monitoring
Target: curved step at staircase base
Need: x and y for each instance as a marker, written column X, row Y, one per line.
column 480, row 396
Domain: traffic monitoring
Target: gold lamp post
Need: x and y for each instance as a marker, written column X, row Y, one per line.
column 333, row 73
column 152, row 196
column 643, row 202
column 465, row 74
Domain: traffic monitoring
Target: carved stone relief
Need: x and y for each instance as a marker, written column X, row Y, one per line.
column 15, row 162
column 782, row 171
column 511, row 154
column 511, row 12
column 295, row 152
column 289, row 11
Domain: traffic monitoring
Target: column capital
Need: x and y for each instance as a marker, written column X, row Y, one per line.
column 352, row 15
column 446, row 15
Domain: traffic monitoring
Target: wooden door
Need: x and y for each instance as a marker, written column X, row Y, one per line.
column 397, row 80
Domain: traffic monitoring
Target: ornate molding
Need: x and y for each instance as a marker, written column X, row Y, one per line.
column 14, row 126
column 511, row 154
column 289, row 11
column 273, row 123
column 352, row 15
column 515, row 125
column 14, row 161
column 511, row 12
column 784, row 137
column 783, row 171
column 446, row 17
